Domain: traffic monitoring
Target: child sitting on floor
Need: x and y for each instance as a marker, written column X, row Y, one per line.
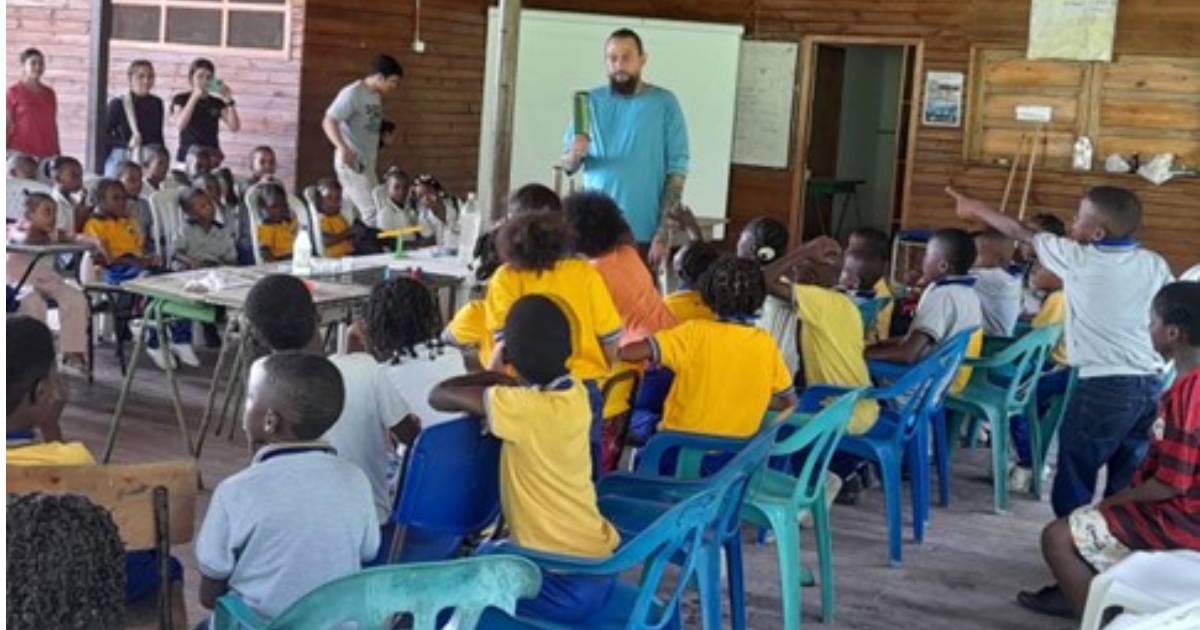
column 536, row 250
column 375, row 418
column 44, row 283
column 998, row 288
column 202, row 240
column 299, row 516
column 864, row 276
column 400, row 329
column 1161, row 507
column 544, row 420
column 278, row 229
column 728, row 373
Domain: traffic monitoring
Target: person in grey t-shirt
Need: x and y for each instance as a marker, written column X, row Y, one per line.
column 352, row 124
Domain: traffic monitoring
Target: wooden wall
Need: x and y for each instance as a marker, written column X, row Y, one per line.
column 438, row 105
column 438, row 109
column 266, row 87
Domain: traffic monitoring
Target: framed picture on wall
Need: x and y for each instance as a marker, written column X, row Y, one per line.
column 943, row 99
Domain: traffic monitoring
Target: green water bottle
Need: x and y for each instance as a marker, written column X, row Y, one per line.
column 583, row 117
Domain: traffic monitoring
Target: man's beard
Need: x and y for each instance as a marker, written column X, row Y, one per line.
column 626, row 87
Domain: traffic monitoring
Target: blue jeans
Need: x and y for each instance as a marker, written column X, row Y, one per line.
column 141, row 574
column 1050, row 385
column 1108, row 423
column 565, row 598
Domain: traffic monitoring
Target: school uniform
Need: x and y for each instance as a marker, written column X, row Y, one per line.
column 831, row 343
column 999, row 299
column 278, row 237
column 335, row 225
column 546, row 490
column 779, row 321
column 883, row 319
column 23, row 449
column 1109, row 286
column 206, row 247
column 468, row 328
column 688, row 304
column 947, row 307
column 297, row 518
column 1055, row 378
column 726, row 374
column 414, row 377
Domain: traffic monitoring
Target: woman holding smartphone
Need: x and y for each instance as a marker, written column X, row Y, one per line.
column 199, row 112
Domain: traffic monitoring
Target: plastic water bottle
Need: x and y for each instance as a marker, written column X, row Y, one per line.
column 470, row 222
column 302, row 253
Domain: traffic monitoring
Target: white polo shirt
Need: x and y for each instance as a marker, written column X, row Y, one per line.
column 297, row 518
column 1109, row 287
column 999, row 298
column 948, row 307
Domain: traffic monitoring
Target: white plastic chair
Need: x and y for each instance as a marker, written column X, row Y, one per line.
column 313, row 209
column 388, row 215
column 168, row 217
column 15, row 195
column 253, row 203
column 1185, row 616
column 1146, row 582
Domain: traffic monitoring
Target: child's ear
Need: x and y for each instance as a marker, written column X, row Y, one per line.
column 271, row 421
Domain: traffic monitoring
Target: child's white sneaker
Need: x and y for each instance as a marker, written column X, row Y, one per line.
column 186, row 354
column 1020, row 478
column 159, row 356
column 833, row 485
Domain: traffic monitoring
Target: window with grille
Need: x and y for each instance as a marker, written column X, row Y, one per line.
column 238, row 24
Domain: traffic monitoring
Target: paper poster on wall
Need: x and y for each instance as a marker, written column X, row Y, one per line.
column 943, row 99
column 1080, row 30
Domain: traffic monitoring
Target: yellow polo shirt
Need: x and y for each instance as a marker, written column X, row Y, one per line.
column 277, row 238
column 468, row 329
column 579, row 288
column 688, row 305
column 725, row 376
column 49, row 454
column 883, row 320
column 335, row 225
column 120, row 236
column 1054, row 311
column 831, row 343
column 546, row 489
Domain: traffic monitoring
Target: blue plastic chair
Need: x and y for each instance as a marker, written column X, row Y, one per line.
column 449, row 490
column 372, row 598
column 1002, row 385
column 901, row 434
column 680, row 532
column 654, row 493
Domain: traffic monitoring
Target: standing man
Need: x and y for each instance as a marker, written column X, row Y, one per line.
column 637, row 147
column 352, row 124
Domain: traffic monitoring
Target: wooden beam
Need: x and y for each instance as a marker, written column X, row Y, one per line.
column 97, row 95
column 506, row 97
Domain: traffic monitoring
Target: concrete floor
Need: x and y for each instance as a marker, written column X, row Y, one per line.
column 965, row 575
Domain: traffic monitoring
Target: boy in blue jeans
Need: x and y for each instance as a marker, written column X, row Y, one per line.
column 544, row 419
column 1109, row 282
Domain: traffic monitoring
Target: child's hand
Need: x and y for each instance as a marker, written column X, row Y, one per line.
column 683, row 216
column 965, row 207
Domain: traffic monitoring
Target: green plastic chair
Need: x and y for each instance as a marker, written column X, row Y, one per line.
column 1042, row 429
column 373, row 597
column 776, row 498
column 1003, row 385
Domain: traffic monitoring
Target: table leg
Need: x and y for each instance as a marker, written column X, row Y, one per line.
column 216, row 381
column 164, row 340
column 138, row 348
column 235, row 379
column 239, row 401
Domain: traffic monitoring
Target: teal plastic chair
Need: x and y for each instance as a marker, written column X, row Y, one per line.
column 680, row 532
column 630, row 501
column 1002, row 385
column 777, row 498
column 372, row 597
column 1044, row 427
column 870, row 311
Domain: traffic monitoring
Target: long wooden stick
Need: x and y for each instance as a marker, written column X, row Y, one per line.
column 1038, row 139
column 1012, row 172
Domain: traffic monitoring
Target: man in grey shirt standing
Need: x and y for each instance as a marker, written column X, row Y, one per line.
column 352, row 124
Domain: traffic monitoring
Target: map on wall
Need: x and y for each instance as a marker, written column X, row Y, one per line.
column 1072, row 29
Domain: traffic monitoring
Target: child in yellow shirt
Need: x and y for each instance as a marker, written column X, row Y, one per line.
column 728, row 373
column 864, row 275
column 468, row 329
column 691, row 262
column 536, row 250
column 277, row 232
column 544, row 419
column 336, row 233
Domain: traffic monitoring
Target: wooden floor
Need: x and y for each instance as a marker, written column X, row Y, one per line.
column 965, row 575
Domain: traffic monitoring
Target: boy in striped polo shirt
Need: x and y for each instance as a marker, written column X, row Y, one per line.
column 1161, row 509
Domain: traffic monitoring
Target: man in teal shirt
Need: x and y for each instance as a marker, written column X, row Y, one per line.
column 637, row 147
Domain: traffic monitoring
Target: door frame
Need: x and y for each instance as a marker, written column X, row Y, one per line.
column 808, row 51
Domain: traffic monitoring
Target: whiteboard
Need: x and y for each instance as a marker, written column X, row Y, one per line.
column 560, row 53
column 762, row 130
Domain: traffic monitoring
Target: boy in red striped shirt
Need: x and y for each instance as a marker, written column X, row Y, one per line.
column 1161, row 508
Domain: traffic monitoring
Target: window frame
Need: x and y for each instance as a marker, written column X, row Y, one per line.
column 225, row 7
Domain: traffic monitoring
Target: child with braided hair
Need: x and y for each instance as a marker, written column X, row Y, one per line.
column 65, row 565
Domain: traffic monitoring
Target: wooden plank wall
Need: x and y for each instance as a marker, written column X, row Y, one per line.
column 438, row 106
column 266, row 87
column 446, row 83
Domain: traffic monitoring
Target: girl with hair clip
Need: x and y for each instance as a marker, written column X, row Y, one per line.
column 437, row 212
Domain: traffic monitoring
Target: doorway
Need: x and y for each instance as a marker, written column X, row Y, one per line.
column 856, row 153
